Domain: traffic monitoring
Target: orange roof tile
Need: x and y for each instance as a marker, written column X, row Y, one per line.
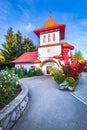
column 51, row 25
column 67, row 45
column 50, row 22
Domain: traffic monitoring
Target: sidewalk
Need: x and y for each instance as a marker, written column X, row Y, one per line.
column 81, row 89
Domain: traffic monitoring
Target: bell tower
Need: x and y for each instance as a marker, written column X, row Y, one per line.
column 50, row 35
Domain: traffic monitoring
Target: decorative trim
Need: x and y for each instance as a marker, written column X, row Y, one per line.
column 48, row 45
column 48, row 60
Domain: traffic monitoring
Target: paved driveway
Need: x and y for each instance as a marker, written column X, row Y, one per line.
column 81, row 89
column 50, row 108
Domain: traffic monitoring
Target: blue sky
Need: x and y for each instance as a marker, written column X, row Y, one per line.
column 27, row 15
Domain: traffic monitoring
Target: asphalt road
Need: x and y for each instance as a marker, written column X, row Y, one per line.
column 50, row 108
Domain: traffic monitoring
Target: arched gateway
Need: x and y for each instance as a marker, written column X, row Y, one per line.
column 48, row 64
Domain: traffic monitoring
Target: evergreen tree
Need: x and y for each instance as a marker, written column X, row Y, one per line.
column 28, row 45
column 15, row 45
column 9, row 47
column 19, row 41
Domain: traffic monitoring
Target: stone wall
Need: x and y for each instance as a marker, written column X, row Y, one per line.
column 11, row 113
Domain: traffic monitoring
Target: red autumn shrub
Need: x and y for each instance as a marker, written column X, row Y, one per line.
column 73, row 70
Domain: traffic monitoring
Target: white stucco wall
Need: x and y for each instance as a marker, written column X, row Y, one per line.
column 46, row 52
column 27, row 65
column 57, row 37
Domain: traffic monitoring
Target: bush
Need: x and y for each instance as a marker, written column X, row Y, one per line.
column 53, row 72
column 37, row 72
column 59, row 77
column 4, row 65
column 25, row 72
column 73, row 70
column 71, row 81
column 30, row 73
column 8, row 85
column 20, row 73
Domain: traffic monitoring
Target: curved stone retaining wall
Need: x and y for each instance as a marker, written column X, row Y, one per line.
column 11, row 113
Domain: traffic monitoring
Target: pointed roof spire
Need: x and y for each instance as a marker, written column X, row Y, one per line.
column 51, row 25
column 50, row 22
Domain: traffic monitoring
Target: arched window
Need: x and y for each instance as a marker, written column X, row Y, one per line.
column 44, row 39
column 49, row 38
column 54, row 37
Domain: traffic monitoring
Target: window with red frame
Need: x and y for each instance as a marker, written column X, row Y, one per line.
column 49, row 38
column 54, row 37
column 44, row 39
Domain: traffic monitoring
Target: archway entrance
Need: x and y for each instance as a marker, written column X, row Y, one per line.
column 48, row 64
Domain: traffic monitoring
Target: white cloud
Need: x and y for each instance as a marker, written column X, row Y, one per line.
column 24, row 27
column 30, row 27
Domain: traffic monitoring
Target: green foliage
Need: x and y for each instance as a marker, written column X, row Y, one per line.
column 20, row 73
column 7, row 69
column 9, row 47
column 28, row 45
column 53, row 72
column 59, row 77
column 71, row 81
column 3, row 65
column 78, row 55
column 25, row 72
column 15, row 45
column 1, row 58
column 37, row 72
column 16, row 71
column 8, row 85
column 30, row 73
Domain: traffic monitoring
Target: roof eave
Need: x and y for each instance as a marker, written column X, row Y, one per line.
column 61, row 28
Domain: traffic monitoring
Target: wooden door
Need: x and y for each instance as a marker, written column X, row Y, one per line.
column 48, row 69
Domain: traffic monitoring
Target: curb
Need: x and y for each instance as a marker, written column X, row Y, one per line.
column 13, row 111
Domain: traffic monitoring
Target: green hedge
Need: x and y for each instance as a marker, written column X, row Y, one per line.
column 71, row 81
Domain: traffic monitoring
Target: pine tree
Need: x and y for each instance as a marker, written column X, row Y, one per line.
column 15, row 45
column 19, row 42
column 28, row 45
column 9, row 47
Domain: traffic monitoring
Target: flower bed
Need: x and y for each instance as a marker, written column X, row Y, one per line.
column 69, row 73
column 9, row 87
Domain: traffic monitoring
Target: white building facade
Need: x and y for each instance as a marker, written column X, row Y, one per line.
column 52, row 53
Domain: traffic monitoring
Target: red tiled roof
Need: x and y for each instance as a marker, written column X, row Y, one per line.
column 51, row 25
column 27, row 57
column 67, row 45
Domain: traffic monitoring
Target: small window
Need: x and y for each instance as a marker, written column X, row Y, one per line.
column 44, row 39
column 49, row 38
column 54, row 37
